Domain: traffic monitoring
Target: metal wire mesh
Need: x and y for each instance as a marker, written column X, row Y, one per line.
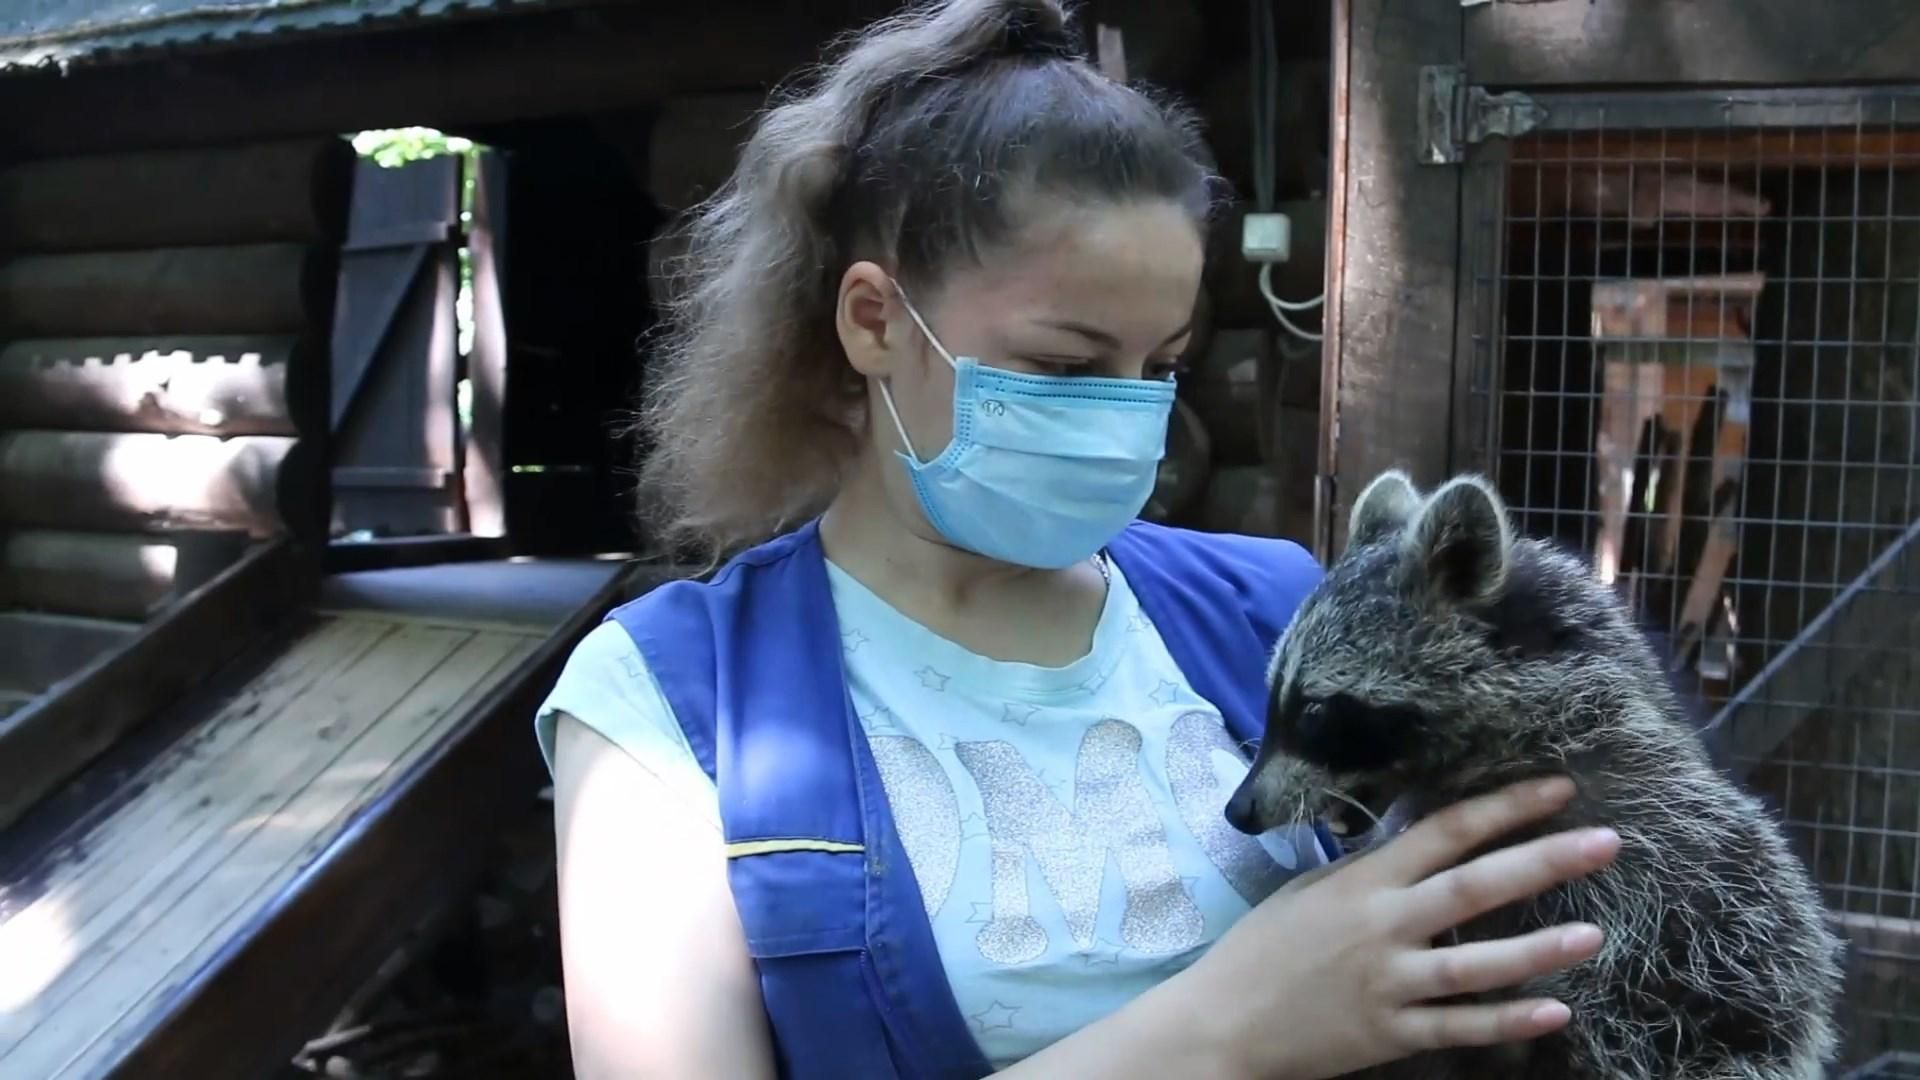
column 1696, row 356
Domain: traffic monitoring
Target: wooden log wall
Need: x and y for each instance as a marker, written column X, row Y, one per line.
column 164, row 322
column 1243, row 449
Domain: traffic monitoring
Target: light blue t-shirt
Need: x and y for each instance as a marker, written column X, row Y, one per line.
column 1064, row 824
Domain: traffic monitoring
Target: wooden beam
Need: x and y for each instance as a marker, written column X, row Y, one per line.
column 293, row 190
column 237, row 289
column 1699, row 42
column 1391, row 268
column 448, row 76
column 240, row 1015
column 387, row 553
column 1623, row 155
column 78, row 718
column 37, row 650
column 1849, row 638
column 109, row 575
column 175, row 386
column 105, row 481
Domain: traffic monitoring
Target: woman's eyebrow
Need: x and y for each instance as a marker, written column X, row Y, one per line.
column 1108, row 341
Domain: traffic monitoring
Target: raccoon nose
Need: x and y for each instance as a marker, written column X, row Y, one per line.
column 1240, row 811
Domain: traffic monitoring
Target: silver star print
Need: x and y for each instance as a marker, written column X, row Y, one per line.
column 853, row 639
column 633, row 667
column 1095, row 681
column 995, row 1015
column 1137, row 622
column 932, row 679
column 1101, row 954
column 972, row 827
column 879, row 720
column 1018, row 714
column 982, row 912
column 1164, row 693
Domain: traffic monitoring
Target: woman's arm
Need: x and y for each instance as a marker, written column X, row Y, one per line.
column 658, row 980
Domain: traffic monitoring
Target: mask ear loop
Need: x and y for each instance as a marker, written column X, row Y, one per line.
column 886, row 395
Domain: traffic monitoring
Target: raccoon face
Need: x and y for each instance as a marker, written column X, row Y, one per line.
column 1423, row 653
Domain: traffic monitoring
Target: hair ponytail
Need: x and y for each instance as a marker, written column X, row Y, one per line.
column 905, row 150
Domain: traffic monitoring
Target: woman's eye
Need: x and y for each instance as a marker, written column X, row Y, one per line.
column 1055, row 365
column 1164, row 370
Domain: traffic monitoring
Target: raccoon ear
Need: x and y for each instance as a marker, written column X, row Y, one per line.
column 1384, row 507
column 1462, row 542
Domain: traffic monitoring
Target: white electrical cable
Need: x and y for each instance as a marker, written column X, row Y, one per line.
column 1265, row 114
column 1281, row 307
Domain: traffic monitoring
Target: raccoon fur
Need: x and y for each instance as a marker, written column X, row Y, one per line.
column 1442, row 657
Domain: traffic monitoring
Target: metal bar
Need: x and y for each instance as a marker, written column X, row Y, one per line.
column 1850, row 638
column 1646, row 110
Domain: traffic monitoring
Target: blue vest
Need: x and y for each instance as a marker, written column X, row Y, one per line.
column 751, row 664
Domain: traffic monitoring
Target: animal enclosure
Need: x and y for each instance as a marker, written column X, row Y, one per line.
column 1689, row 346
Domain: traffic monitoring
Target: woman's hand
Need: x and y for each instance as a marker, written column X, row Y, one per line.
column 1331, row 973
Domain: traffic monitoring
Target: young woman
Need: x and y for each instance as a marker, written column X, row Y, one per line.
column 930, row 781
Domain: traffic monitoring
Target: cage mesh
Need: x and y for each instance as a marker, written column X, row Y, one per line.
column 1695, row 355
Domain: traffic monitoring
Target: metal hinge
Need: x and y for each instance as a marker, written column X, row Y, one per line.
column 1455, row 114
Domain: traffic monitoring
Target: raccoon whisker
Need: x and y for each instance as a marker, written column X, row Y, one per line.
column 1355, row 803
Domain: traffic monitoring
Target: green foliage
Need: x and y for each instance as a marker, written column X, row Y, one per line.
column 394, row 147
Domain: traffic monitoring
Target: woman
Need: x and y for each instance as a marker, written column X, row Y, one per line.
column 931, row 782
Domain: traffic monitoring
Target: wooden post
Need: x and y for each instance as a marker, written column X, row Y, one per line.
column 485, row 473
column 1393, row 244
column 177, row 386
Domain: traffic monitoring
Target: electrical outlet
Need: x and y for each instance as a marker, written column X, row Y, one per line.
column 1266, row 238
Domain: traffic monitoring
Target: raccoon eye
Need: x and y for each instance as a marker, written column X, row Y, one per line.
column 1313, row 715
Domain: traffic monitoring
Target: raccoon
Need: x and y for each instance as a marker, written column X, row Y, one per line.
column 1442, row 657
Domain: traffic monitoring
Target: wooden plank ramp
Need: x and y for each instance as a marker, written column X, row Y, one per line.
column 202, row 899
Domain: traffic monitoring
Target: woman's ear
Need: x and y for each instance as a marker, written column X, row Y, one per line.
column 867, row 317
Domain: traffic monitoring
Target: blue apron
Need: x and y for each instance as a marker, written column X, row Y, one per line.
column 751, row 664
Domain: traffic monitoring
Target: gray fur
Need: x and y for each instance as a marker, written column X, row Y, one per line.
column 1468, row 658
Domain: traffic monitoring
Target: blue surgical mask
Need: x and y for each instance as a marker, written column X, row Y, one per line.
column 1043, row 470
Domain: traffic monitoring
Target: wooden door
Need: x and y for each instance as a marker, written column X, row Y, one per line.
column 397, row 459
